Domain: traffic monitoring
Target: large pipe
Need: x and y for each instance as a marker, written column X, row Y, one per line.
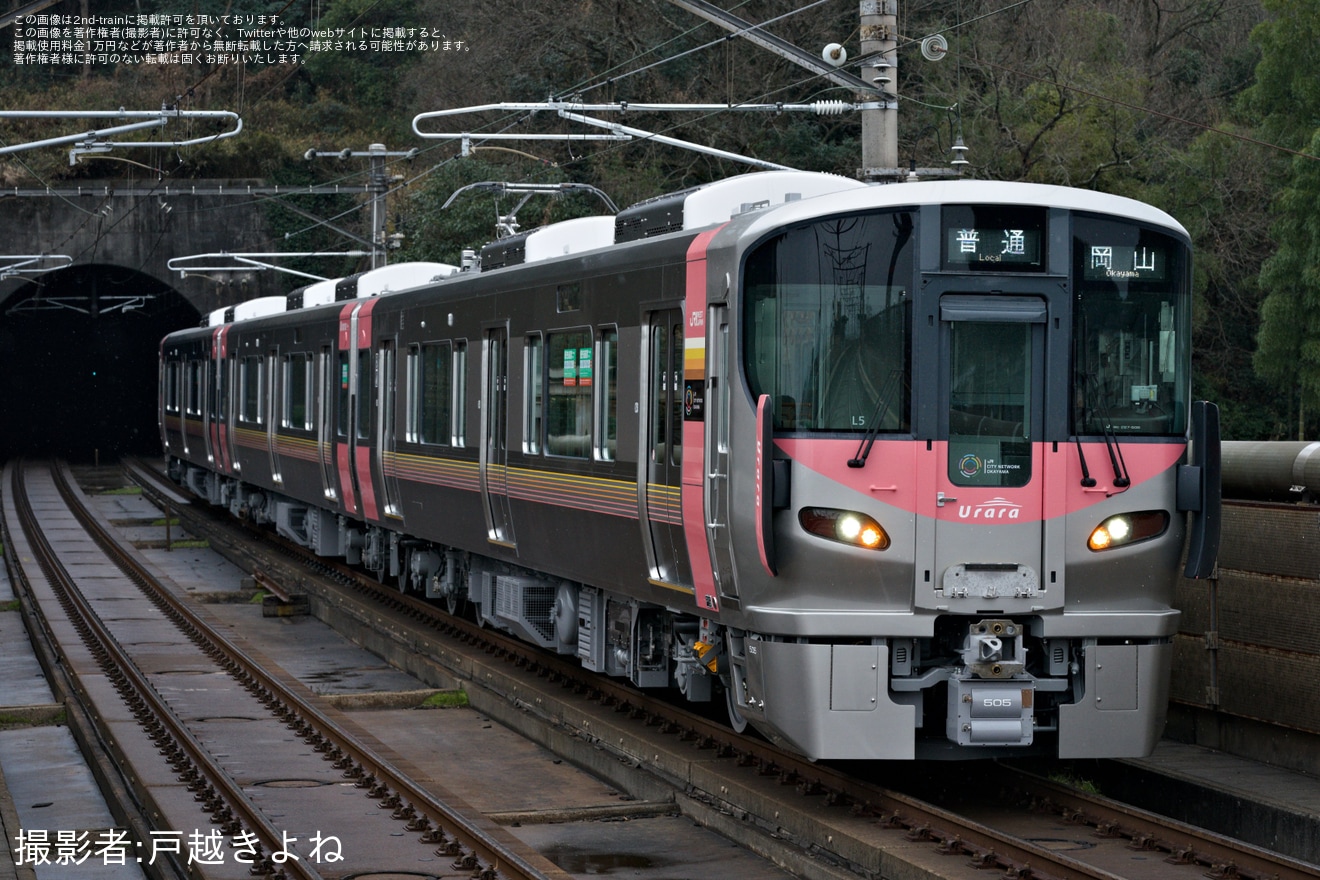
column 1277, row 471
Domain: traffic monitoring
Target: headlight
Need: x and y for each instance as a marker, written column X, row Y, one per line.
column 1128, row 528
column 844, row 526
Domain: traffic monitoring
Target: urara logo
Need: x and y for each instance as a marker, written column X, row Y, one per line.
column 995, row 508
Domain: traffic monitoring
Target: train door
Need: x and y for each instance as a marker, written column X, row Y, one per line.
column 494, row 437
column 326, row 381
column 987, row 475
column 274, row 413
column 386, row 430
column 176, row 392
column 343, row 450
column 229, row 402
column 218, row 429
column 717, row 506
column 363, row 404
column 206, row 369
column 659, row 482
column 353, row 409
column 197, row 389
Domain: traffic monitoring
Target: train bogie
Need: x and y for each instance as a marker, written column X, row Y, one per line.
column 897, row 471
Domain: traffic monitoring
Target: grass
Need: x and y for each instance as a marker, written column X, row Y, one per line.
column 124, row 490
column 174, row 521
column 190, row 545
column 1085, row 786
column 445, row 700
column 40, row 718
column 12, row 605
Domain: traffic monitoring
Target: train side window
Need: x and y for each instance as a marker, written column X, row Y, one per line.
column 193, row 387
column 666, row 394
column 568, row 410
column 296, row 409
column 458, row 406
column 171, row 389
column 433, row 393
column 534, row 385
column 249, row 385
column 341, row 421
column 222, row 405
column 364, row 377
column 607, row 394
column 412, row 410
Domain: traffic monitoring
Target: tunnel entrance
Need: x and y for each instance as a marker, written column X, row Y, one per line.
column 78, row 362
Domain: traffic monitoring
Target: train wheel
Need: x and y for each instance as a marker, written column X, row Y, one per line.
column 405, row 570
column 456, row 605
column 736, row 718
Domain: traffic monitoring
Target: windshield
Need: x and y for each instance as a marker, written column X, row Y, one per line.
column 1132, row 331
column 828, row 322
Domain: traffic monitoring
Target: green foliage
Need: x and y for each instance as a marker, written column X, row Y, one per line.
column 1092, row 95
column 1285, row 103
column 294, row 227
column 445, row 700
column 1285, row 98
column 1220, row 194
column 1069, row 780
column 1288, row 353
column 365, row 83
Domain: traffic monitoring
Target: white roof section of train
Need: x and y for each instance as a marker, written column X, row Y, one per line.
column 570, row 237
column 966, row 192
column 791, row 193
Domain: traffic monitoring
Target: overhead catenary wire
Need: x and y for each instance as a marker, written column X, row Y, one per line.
column 909, row 41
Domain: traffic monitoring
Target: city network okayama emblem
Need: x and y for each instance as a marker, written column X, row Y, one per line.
column 970, row 465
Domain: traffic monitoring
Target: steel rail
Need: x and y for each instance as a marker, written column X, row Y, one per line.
column 220, row 794
column 1181, row 843
column 919, row 820
column 130, row 802
column 472, row 848
column 984, row 846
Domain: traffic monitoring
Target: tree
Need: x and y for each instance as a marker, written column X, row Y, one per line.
column 1288, row 345
column 1285, row 102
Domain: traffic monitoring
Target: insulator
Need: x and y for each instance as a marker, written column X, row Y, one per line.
column 830, row 108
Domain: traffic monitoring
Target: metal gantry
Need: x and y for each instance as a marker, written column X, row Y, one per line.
column 253, row 262
column 13, row 265
column 575, row 111
column 93, row 141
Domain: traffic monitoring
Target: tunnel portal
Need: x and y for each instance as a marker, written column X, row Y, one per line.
column 78, row 353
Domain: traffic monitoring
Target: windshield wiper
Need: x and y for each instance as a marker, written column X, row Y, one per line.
column 1088, row 481
column 873, row 429
column 1121, row 478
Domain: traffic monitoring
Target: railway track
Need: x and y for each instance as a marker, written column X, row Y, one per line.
column 1024, row 827
column 229, row 825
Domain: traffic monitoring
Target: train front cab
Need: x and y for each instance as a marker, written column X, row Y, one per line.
column 1000, row 392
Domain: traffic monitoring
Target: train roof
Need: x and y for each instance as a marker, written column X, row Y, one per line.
column 778, row 198
column 376, row 282
column 962, row 192
column 697, row 207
